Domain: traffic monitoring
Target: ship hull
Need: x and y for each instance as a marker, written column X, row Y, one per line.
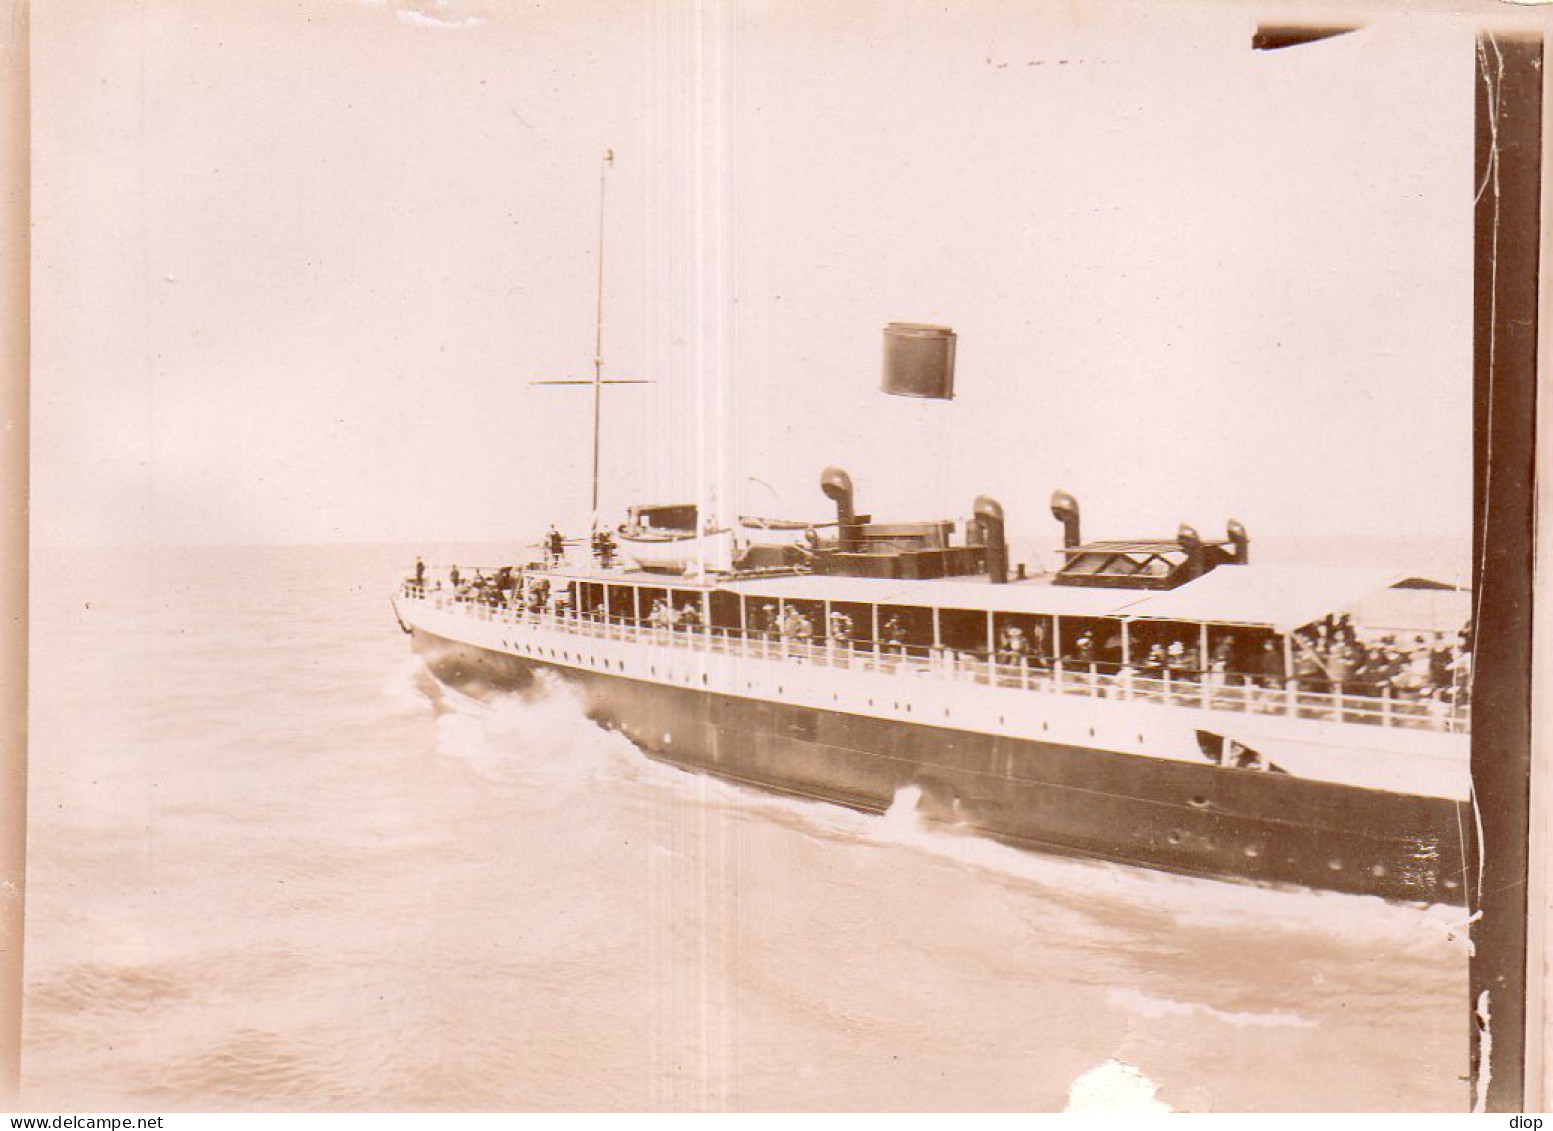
column 1176, row 816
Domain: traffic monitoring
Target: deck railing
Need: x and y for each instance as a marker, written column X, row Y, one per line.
column 1207, row 690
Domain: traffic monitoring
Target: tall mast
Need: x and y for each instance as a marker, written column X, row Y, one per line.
column 598, row 340
column 598, row 380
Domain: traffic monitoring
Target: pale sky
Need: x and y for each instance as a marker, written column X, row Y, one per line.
column 295, row 264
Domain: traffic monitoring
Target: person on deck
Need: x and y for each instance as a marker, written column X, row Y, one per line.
column 604, row 548
column 1013, row 648
column 1367, row 674
column 1270, row 670
column 1308, row 670
column 840, row 628
column 1461, row 674
column 1341, row 663
column 539, row 596
column 1038, row 648
column 1222, row 658
column 1420, row 667
column 1181, row 662
column 1084, row 651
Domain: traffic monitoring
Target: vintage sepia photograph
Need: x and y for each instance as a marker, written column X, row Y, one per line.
column 778, row 555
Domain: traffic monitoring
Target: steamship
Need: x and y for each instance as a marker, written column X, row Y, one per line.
column 1142, row 702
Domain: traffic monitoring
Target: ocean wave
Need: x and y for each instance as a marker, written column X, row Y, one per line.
column 544, row 737
column 411, row 687
column 1140, row 1004
column 100, row 987
column 1191, row 901
column 256, row 1068
column 538, row 739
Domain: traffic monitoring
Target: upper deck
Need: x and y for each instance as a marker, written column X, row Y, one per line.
column 1272, row 639
column 1176, row 612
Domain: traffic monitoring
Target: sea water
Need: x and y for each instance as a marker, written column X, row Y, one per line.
column 273, row 865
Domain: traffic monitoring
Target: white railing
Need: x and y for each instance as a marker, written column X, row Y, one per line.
column 1217, row 691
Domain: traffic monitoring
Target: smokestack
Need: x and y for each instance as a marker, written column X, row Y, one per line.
column 989, row 514
column 837, row 485
column 1241, row 541
column 1065, row 511
column 1191, row 542
column 918, row 361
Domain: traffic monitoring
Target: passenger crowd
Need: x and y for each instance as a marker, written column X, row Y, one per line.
column 1329, row 658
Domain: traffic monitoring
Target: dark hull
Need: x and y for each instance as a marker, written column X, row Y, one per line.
column 1182, row 817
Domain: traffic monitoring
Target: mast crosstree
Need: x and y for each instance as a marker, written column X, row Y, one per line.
column 598, row 380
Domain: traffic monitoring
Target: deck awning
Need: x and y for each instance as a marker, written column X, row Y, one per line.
column 1279, row 597
column 1270, row 596
column 1031, row 597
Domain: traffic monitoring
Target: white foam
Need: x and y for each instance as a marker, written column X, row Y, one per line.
column 1115, row 1087
column 411, row 687
column 1146, row 1005
column 538, row 739
column 417, row 18
column 546, row 734
column 1188, row 900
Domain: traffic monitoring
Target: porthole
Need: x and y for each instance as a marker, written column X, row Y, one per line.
column 1377, row 870
column 1334, row 865
column 1176, row 836
column 1253, row 851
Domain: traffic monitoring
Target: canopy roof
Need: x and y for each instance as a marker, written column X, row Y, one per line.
column 1281, row 597
column 949, row 593
column 1154, row 545
column 1267, row 596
